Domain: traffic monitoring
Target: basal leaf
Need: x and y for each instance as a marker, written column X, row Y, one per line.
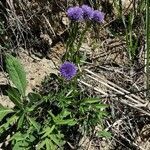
column 33, row 97
column 15, row 96
column 4, row 111
column 16, row 73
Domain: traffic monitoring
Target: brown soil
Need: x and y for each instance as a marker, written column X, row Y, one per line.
column 36, row 70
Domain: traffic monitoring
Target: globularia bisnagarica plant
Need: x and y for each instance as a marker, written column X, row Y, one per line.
column 47, row 122
column 42, row 122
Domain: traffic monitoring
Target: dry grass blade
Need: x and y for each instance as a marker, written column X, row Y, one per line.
column 114, row 89
column 122, row 91
column 96, row 89
column 130, row 101
column 48, row 23
column 126, row 139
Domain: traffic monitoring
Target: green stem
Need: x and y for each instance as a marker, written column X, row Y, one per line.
column 147, row 45
column 82, row 37
column 76, row 55
column 72, row 37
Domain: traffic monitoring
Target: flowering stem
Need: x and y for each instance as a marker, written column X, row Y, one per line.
column 82, row 37
column 76, row 54
column 73, row 34
column 72, row 37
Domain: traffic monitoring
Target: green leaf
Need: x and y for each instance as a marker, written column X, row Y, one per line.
column 33, row 97
column 19, row 142
column 52, row 115
column 12, row 120
column 59, row 121
column 101, row 106
column 4, row 111
column 15, row 96
column 48, row 144
column 104, row 134
column 16, row 73
column 21, row 120
column 17, row 136
column 69, row 122
column 47, row 131
column 32, row 138
column 65, row 113
column 31, row 108
column 17, row 146
column 41, row 145
column 54, row 138
column 34, row 123
column 90, row 101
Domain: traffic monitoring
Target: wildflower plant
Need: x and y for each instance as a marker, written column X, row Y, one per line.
column 78, row 16
column 44, row 121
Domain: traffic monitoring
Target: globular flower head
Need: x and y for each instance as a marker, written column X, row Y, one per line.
column 75, row 13
column 98, row 16
column 87, row 12
column 68, row 70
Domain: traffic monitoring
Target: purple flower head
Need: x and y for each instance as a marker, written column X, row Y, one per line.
column 87, row 12
column 68, row 70
column 98, row 16
column 75, row 13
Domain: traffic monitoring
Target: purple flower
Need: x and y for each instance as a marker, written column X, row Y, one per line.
column 98, row 16
column 68, row 70
column 87, row 12
column 75, row 13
